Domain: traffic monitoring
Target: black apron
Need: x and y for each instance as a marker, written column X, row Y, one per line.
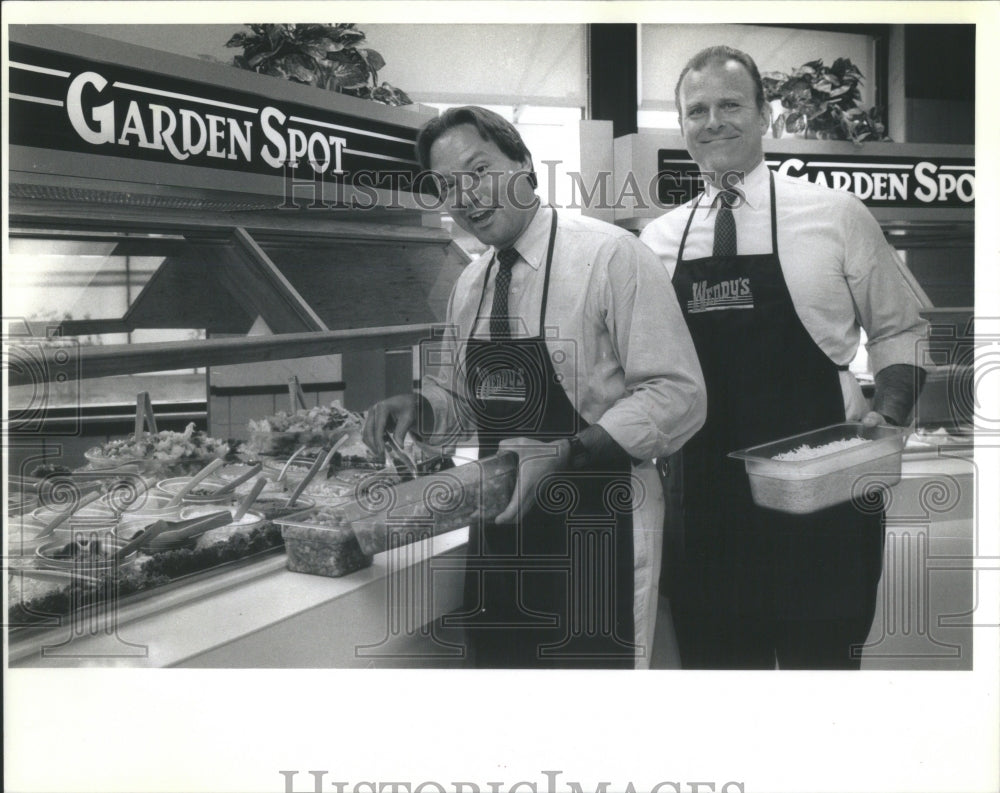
column 766, row 378
column 554, row 589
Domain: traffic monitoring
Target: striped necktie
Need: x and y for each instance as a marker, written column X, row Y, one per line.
column 725, row 225
column 500, row 315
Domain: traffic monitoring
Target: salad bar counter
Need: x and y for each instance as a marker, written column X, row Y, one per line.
column 158, row 514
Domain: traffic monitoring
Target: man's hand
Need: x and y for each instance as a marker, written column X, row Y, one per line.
column 536, row 460
column 397, row 413
column 873, row 419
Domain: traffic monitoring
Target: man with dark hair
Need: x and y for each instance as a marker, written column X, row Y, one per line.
column 488, row 124
column 564, row 344
column 776, row 278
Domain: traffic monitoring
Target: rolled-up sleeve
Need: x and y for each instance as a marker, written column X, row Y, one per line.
column 664, row 402
column 885, row 304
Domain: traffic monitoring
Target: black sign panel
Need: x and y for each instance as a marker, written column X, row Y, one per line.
column 65, row 102
column 878, row 180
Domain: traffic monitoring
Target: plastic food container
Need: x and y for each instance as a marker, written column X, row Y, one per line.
column 319, row 541
column 383, row 514
column 830, row 477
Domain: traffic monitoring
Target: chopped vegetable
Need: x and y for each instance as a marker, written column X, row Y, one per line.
column 165, row 446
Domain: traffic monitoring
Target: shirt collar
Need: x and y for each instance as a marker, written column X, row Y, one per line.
column 533, row 243
column 755, row 188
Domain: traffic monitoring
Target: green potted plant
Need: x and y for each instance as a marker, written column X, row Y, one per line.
column 325, row 56
column 819, row 101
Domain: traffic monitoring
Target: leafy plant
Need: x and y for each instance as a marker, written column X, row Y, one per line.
column 823, row 102
column 325, row 56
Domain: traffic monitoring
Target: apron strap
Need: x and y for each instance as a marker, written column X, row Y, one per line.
column 548, row 270
column 687, row 227
column 774, row 219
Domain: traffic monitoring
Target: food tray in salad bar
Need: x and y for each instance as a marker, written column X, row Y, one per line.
column 319, row 541
column 160, row 449
column 814, row 470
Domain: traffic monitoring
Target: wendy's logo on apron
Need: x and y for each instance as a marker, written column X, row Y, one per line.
column 506, row 385
column 730, row 293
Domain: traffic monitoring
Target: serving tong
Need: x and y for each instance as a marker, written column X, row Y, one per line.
column 180, row 530
column 209, row 469
column 397, row 457
column 321, row 463
column 249, row 498
column 288, row 463
column 144, row 416
column 229, row 487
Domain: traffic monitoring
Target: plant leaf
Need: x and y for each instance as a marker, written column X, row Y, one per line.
column 349, row 35
column 323, row 55
column 375, row 61
column 390, row 95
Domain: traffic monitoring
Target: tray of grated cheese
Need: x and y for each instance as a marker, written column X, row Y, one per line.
column 814, row 470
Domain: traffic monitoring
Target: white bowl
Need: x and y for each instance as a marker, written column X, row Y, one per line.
column 89, row 563
column 173, row 485
column 151, row 504
column 94, row 516
column 250, row 521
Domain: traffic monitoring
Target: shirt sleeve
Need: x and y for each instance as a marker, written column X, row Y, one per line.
column 884, row 303
column 663, row 240
column 664, row 402
column 442, row 386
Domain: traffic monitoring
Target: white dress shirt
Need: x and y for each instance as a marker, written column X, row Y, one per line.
column 614, row 331
column 841, row 273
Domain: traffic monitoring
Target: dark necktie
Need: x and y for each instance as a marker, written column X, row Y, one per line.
column 500, row 315
column 725, row 226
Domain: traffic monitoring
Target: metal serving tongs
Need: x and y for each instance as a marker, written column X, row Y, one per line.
column 287, row 467
column 179, row 529
column 399, row 459
column 321, row 462
column 246, row 476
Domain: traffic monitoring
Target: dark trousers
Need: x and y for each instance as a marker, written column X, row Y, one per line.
column 726, row 641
